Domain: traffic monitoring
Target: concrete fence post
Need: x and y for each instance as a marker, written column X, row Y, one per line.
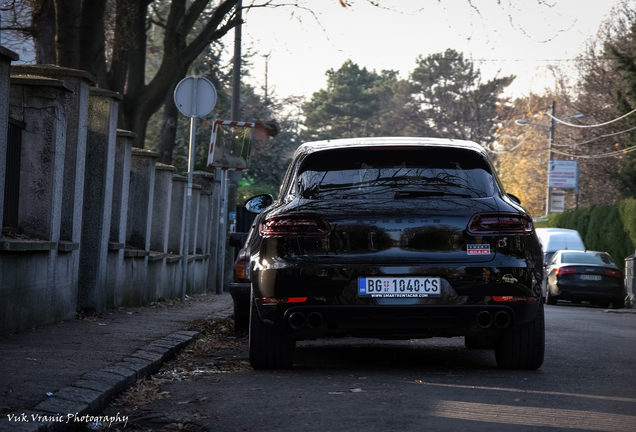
column 138, row 225
column 39, row 104
column 161, row 225
column 6, row 56
column 98, row 198
column 118, row 220
column 76, row 107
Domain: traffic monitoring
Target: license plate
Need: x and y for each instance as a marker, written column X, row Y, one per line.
column 591, row 277
column 399, row 287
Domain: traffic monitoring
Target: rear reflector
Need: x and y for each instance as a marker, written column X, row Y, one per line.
column 565, row 270
column 292, row 225
column 282, row 300
column 515, row 299
column 500, row 223
column 614, row 273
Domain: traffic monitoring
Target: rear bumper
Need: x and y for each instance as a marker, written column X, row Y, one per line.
column 576, row 291
column 314, row 321
column 240, row 291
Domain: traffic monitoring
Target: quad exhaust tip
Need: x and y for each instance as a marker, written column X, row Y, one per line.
column 314, row 320
column 297, row 320
column 484, row 319
column 502, row 319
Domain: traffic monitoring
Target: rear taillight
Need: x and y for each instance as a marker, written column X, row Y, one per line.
column 241, row 271
column 565, row 270
column 291, row 225
column 282, row 300
column 503, row 223
column 614, row 273
column 514, row 299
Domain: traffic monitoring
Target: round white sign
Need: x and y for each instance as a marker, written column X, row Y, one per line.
column 195, row 96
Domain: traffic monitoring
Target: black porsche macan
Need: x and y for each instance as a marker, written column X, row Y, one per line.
column 393, row 238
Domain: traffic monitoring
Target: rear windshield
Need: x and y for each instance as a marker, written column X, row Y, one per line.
column 586, row 258
column 394, row 173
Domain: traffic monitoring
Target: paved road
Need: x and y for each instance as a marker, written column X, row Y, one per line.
column 588, row 382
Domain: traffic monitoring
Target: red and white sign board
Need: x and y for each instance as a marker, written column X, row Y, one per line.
column 563, row 174
column 230, row 146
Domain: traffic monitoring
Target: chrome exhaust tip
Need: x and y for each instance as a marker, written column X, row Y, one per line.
column 314, row 320
column 502, row 319
column 297, row 320
column 484, row 319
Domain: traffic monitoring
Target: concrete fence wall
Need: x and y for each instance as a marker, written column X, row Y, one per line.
column 100, row 222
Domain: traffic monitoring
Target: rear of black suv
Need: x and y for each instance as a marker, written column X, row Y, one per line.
column 395, row 238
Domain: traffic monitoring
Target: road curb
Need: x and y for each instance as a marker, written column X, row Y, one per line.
column 80, row 404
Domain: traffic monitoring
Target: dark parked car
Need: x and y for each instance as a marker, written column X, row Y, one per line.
column 585, row 276
column 394, row 238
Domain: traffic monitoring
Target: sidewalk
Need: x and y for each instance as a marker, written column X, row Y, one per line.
column 78, row 367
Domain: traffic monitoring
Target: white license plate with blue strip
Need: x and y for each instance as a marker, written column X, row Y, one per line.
column 398, row 287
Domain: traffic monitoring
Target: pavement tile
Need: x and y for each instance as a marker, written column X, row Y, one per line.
column 155, row 358
column 141, row 367
column 126, row 372
column 94, row 399
column 104, row 378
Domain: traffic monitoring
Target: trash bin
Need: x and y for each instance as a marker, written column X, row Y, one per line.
column 629, row 281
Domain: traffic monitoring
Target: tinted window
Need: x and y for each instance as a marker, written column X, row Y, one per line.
column 390, row 172
column 586, row 258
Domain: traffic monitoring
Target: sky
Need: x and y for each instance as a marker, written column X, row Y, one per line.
column 516, row 37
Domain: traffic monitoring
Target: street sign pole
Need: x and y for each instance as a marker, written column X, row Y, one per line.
column 195, row 97
column 550, row 144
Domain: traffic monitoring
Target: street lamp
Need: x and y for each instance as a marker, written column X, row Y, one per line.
column 550, row 144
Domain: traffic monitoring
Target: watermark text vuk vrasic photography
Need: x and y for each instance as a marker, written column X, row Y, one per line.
column 68, row 418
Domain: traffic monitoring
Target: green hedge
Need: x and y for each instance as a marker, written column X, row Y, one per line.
column 604, row 228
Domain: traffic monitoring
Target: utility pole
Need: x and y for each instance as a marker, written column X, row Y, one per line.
column 266, row 74
column 236, row 69
column 550, row 144
column 226, row 202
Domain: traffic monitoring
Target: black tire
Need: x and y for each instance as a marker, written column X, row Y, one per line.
column 524, row 346
column 241, row 316
column 472, row 342
column 603, row 304
column 618, row 303
column 551, row 300
column 270, row 348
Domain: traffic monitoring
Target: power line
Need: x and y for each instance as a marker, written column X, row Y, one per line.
column 590, row 126
column 598, row 156
column 595, row 139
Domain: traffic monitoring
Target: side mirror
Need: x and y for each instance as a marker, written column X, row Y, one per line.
column 514, row 198
column 237, row 239
column 258, row 203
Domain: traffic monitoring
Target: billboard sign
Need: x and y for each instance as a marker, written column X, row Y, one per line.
column 557, row 202
column 563, row 174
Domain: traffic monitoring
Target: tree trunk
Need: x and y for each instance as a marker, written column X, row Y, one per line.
column 68, row 16
column 122, row 45
column 140, row 100
column 168, row 130
column 92, row 40
column 43, row 22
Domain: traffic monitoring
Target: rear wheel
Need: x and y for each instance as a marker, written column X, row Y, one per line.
column 524, row 346
column 270, row 348
column 603, row 304
column 241, row 316
column 618, row 303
